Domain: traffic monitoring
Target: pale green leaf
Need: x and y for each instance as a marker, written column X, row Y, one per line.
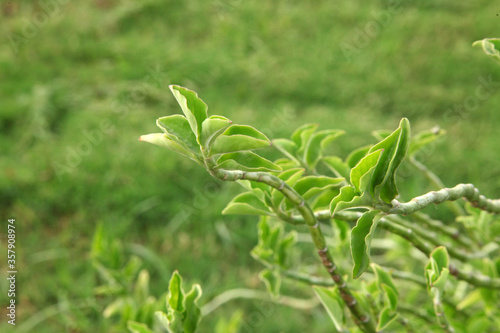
column 317, row 144
column 246, row 161
column 361, row 237
column 356, row 155
column 193, row 313
column 249, row 203
column 193, row 107
column 333, row 305
column 386, row 317
column 135, row 327
column 272, row 280
column 175, row 298
column 178, row 129
column 366, row 165
column 309, row 186
column 287, row 148
column 337, row 166
column 211, row 128
column 161, row 139
column 491, row 46
column 424, row 139
column 239, row 138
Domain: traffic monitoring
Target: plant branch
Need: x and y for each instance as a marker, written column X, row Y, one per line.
column 466, row 191
column 434, row 179
column 363, row 319
column 439, row 311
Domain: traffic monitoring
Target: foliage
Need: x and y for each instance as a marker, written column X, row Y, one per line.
column 297, row 192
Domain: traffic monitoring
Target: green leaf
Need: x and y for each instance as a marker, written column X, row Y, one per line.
column 317, row 144
column 383, row 183
column 285, row 244
column 381, row 134
column 141, row 288
column 333, row 304
column 162, row 140
column 135, row 327
column 349, row 198
column 249, row 203
column 383, row 277
column 423, row 139
column 287, row 148
column 302, row 134
column 239, row 138
column 337, row 166
column 193, row 312
column 491, row 46
column 193, row 107
column 390, row 296
column 366, row 165
column 272, row 280
column 290, row 177
column 163, row 319
column 386, row 317
column 175, row 298
column 246, row 161
column 178, row 129
column 309, row 186
column 356, row 155
column 361, row 238
column 437, row 270
column 211, row 128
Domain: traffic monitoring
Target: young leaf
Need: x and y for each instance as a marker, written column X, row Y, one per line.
column 386, row 317
column 175, row 298
column 211, row 128
column 356, row 155
column 239, row 138
column 337, row 166
column 284, row 246
column 491, row 46
column 437, row 270
column 333, row 305
column 193, row 313
column 163, row 319
column 361, row 237
column 309, row 186
column 423, row 139
column 177, row 128
column 317, row 144
column 135, row 327
column 383, row 277
column 288, row 148
column 302, row 134
column 272, row 280
column 193, row 107
column 383, row 183
column 250, row 203
column 141, row 288
column 247, row 161
column 365, row 165
column 349, row 198
column 162, row 140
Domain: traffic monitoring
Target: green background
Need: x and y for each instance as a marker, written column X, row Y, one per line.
column 81, row 81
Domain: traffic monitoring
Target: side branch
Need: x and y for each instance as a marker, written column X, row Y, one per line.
column 466, row 191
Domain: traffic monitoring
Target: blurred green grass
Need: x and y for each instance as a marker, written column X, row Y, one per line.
column 273, row 65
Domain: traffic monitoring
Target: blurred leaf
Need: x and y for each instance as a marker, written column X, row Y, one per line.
column 386, row 317
column 193, row 312
column 288, row 148
column 272, row 280
column 284, row 247
column 356, row 155
column 163, row 319
column 309, row 186
column 337, row 166
column 334, row 306
column 491, row 46
column 175, row 298
column 239, row 138
column 383, row 277
column 211, row 128
column 361, row 238
column 471, row 299
column 381, row 134
column 162, row 140
column 249, row 203
column 141, row 289
column 178, row 129
column 302, row 134
column 135, row 327
column 423, row 139
column 391, row 296
column 437, row 269
column 231, row 326
column 193, row 107
column 319, row 141
column 246, row 161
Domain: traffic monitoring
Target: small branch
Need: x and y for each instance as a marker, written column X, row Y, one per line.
column 438, row 184
column 415, row 311
column 466, row 191
column 307, row 279
column 229, row 295
column 439, row 311
column 440, row 227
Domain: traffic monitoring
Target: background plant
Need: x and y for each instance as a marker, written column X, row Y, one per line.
column 75, row 74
